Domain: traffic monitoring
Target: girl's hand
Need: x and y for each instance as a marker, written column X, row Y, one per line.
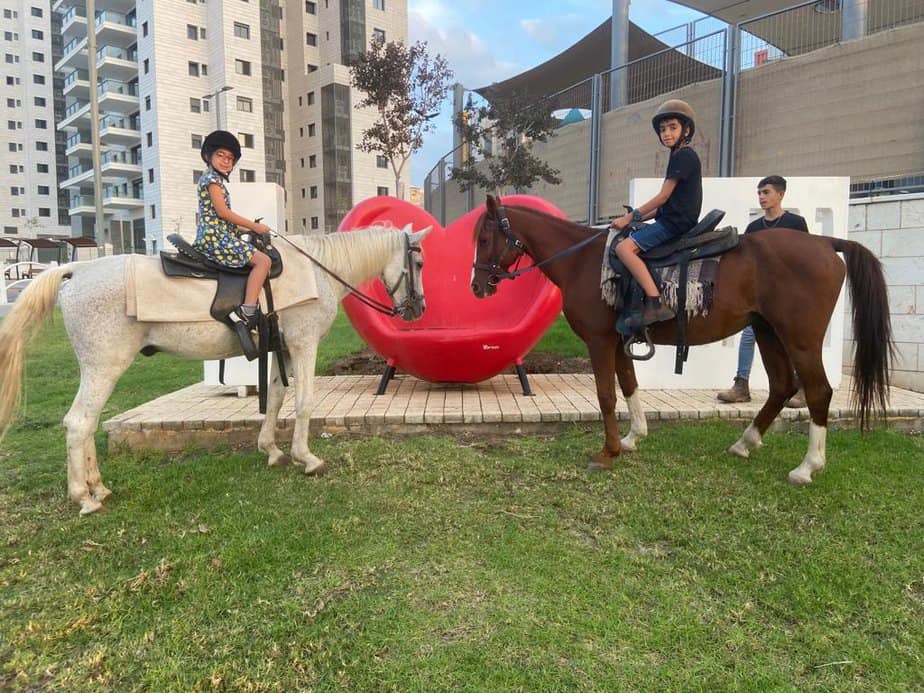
column 262, row 229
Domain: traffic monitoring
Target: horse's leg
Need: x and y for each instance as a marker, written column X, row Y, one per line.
column 628, row 385
column 818, row 392
column 84, row 482
column 602, row 351
column 779, row 374
column 267, row 438
column 304, row 355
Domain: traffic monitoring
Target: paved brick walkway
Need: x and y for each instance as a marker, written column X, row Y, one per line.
column 205, row 415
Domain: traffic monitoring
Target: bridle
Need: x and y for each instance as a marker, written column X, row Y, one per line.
column 413, row 301
column 497, row 267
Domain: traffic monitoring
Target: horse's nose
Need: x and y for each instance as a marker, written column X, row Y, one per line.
column 477, row 290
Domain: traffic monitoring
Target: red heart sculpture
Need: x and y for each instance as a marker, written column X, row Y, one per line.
column 460, row 338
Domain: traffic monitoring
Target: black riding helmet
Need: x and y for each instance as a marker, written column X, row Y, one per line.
column 220, row 139
column 675, row 108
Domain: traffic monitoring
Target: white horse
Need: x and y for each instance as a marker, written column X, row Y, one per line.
column 106, row 340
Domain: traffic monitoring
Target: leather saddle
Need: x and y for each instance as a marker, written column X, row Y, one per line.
column 229, row 294
column 702, row 241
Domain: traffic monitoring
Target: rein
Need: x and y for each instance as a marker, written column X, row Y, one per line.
column 406, row 276
column 496, row 272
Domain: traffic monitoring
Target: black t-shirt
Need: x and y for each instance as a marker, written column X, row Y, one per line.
column 681, row 211
column 787, row 220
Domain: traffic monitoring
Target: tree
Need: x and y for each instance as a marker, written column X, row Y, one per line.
column 515, row 123
column 406, row 86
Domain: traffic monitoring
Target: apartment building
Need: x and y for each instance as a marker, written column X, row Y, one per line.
column 31, row 150
column 170, row 71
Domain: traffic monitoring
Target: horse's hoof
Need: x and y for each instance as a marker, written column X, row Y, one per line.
column 799, row 479
column 281, row 461
column 89, row 505
column 100, row 493
column 740, row 450
column 319, row 469
column 602, row 461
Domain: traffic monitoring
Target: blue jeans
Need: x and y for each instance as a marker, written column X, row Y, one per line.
column 651, row 236
column 745, row 353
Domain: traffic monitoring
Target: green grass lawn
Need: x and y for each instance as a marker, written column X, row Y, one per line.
column 430, row 563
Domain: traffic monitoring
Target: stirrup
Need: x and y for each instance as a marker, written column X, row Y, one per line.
column 635, row 339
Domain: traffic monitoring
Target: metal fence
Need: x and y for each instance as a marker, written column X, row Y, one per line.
column 718, row 59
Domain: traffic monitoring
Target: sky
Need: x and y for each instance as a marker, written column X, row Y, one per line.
column 488, row 41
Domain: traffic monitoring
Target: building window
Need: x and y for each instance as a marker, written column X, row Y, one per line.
column 149, row 139
column 192, row 32
column 242, row 67
column 41, row 146
column 313, row 192
column 196, row 176
column 147, row 103
column 38, row 35
column 37, row 12
column 309, row 68
column 378, row 35
column 193, row 69
column 38, row 57
column 195, row 105
column 380, row 190
column 41, row 124
column 43, row 190
column 244, row 104
column 311, row 130
column 196, row 141
column 147, row 66
column 39, row 101
column 241, row 30
column 311, row 7
column 153, row 211
column 378, row 5
column 248, row 175
column 313, row 161
column 144, row 28
column 311, row 39
column 41, row 168
column 150, row 175
column 38, row 79
column 310, row 98
column 314, row 222
column 381, row 161
column 44, row 212
column 246, row 140
column 10, row 230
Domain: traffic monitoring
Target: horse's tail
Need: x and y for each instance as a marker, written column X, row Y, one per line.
column 30, row 309
column 874, row 349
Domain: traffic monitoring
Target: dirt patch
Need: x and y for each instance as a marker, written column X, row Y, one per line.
column 367, row 363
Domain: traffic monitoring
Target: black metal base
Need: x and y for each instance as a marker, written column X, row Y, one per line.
column 524, row 382
column 387, row 375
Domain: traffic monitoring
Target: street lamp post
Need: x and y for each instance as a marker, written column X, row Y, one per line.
column 217, row 96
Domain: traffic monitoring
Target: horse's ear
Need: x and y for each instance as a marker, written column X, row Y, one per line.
column 420, row 235
column 491, row 204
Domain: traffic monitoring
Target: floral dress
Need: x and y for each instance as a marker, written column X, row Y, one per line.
column 215, row 237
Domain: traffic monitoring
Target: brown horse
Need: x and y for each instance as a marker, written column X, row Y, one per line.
column 785, row 284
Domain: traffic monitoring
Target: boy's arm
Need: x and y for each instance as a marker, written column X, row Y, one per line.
column 224, row 212
column 650, row 208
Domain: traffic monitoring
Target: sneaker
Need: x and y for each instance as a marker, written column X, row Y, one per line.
column 739, row 392
column 655, row 311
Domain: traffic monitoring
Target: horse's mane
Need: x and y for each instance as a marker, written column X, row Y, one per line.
column 362, row 250
column 545, row 216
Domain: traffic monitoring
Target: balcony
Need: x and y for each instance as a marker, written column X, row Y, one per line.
column 74, row 24
column 77, row 84
column 119, row 166
column 115, row 29
column 118, row 97
column 74, row 55
column 117, row 63
column 79, row 176
column 76, row 112
column 79, row 146
column 121, row 197
column 123, row 132
column 81, row 205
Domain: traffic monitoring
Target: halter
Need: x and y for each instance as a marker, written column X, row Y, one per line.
column 496, row 269
column 413, row 300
